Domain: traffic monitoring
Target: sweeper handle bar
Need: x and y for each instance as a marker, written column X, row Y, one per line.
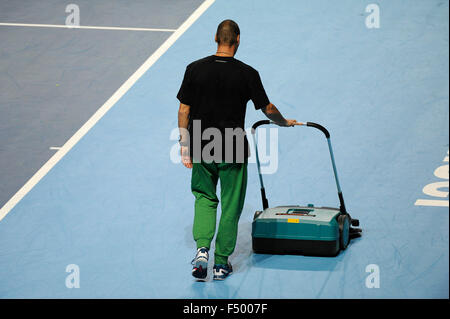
column 263, row 192
column 327, row 135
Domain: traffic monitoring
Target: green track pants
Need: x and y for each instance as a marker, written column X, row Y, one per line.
column 233, row 185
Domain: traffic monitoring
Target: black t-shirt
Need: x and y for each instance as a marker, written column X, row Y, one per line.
column 217, row 89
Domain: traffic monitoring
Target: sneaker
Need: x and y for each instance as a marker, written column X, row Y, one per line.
column 222, row 271
column 200, row 263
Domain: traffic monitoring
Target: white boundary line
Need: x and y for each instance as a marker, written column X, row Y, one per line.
column 102, row 110
column 82, row 27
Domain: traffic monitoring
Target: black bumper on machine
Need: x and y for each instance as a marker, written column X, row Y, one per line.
column 296, row 247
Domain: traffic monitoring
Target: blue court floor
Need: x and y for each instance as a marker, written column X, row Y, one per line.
column 118, row 208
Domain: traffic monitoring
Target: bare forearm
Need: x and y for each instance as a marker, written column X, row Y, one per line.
column 183, row 120
column 273, row 114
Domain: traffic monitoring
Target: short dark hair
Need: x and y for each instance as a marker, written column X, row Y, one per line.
column 227, row 32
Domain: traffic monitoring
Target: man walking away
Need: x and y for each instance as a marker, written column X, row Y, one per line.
column 214, row 95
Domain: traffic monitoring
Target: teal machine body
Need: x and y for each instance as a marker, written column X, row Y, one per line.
column 306, row 230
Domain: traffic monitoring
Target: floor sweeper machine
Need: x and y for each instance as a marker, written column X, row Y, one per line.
column 304, row 230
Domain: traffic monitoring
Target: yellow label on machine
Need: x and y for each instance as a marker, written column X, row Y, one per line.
column 293, row 220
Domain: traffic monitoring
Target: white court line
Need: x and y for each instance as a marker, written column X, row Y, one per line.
column 55, row 148
column 63, row 26
column 431, row 202
column 103, row 110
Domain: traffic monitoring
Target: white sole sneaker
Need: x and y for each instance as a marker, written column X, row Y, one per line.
column 221, row 272
column 200, row 263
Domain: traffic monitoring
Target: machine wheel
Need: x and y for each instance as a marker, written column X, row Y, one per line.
column 257, row 213
column 344, row 230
